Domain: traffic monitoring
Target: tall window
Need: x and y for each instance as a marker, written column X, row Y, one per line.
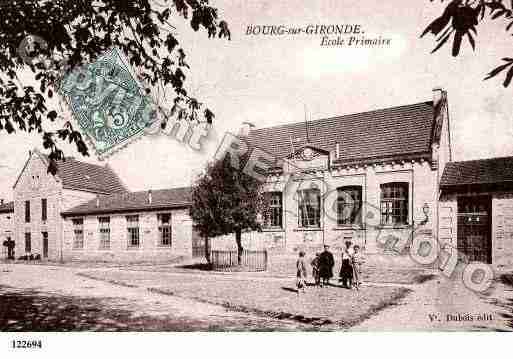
column 44, row 210
column 132, row 223
column 274, row 214
column 164, row 220
column 28, row 243
column 78, row 233
column 394, row 203
column 309, row 208
column 27, row 211
column 104, row 223
column 349, row 205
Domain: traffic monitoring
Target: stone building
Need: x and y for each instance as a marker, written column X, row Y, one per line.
column 134, row 226
column 6, row 227
column 85, row 212
column 371, row 178
column 476, row 209
column 40, row 197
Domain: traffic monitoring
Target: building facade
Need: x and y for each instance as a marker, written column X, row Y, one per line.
column 136, row 226
column 6, row 229
column 40, row 197
column 476, row 210
column 370, row 178
column 379, row 179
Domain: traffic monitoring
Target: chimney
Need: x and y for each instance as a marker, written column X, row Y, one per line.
column 245, row 129
column 97, row 201
column 149, row 196
column 438, row 95
column 337, row 150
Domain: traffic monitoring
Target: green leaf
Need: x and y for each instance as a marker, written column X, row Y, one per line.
column 52, row 115
column 442, row 42
column 471, row 40
column 497, row 70
column 456, row 45
column 508, row 78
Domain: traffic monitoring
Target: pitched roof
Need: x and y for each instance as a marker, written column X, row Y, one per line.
column 135, row 201
column 82, row 176
column 390, row 132
column 7, row 207
column 486, row 171
column 88, row 177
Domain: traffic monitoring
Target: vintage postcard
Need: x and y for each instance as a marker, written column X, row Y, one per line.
column 243, row 165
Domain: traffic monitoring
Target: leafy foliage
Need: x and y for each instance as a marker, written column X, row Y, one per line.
column 460, row 20
column 226, row 200
column 76, row 32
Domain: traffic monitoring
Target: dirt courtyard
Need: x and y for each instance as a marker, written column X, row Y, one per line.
column 63, row 298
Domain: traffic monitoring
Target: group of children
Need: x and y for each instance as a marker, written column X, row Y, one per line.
column 350, row 271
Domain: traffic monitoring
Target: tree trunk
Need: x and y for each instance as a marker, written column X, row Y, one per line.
column 238, row 240
column 207, row 250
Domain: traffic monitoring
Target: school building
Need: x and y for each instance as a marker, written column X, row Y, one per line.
column 378, row 179
column 85, row 212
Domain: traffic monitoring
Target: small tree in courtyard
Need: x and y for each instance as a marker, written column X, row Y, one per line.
column 226, row 200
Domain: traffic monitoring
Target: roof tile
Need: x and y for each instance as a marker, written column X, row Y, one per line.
column 135, row 201
column 375, row 134
column 484, row 171
column 88, row 177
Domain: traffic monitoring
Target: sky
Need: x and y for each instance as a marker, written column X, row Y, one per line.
column 269, row 80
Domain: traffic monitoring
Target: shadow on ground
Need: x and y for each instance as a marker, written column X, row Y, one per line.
column 30, row 310
column 197, row 266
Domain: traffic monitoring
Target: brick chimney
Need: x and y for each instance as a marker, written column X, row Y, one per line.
column 245, row 129
column 438, row 95
column 150, row 196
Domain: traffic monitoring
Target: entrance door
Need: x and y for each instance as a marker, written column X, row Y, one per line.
column 45, row 244
column 474, row 228
column 10, row 248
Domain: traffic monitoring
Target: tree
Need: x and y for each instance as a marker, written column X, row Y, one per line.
column 460, row 20
column 70, row 33
column 226, row 200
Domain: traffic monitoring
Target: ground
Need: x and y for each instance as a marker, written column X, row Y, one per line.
column 170, row 298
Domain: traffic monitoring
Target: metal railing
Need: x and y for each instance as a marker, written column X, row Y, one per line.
column 228, row 260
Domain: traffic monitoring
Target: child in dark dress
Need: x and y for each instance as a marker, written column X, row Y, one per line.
column 346, row 270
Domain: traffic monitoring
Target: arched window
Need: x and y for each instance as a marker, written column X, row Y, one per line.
column 349, row 205
column 394, row 203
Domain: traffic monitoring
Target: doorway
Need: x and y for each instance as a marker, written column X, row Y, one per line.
column 45, row 244
column 474, row 228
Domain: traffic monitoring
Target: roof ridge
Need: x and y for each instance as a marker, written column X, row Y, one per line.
column 341, row 116
column 482, row 159
column 144, row 191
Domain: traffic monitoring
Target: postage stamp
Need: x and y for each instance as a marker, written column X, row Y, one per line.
column 107, row 102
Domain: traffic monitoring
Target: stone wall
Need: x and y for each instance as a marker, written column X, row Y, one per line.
column 33, row 185
column 149, row 249
column 372, row 236
column 502, row 230
column 6, row 231
column 502, row 225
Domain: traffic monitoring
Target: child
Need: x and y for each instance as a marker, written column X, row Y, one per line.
column 346, row 269
column 301, row 273
column 358, row 260
column 316, row 274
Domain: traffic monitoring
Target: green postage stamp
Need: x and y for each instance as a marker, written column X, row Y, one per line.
column 107, row 102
